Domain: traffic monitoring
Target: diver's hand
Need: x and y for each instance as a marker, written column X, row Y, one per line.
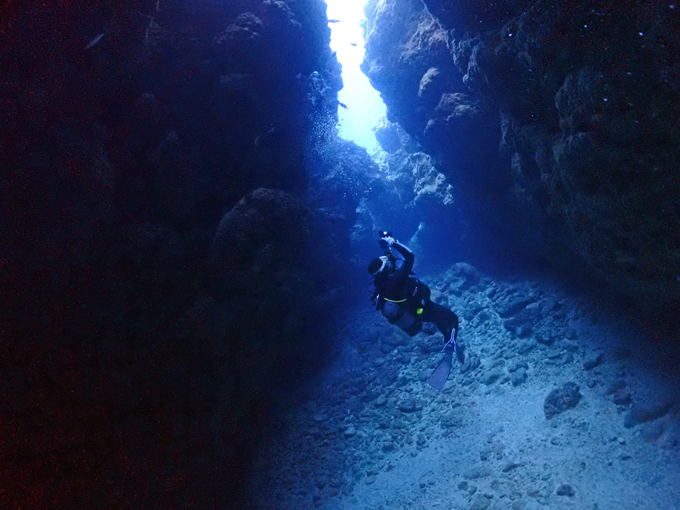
column 388, row 241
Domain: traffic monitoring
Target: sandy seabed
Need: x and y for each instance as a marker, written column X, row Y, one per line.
column 370, row 433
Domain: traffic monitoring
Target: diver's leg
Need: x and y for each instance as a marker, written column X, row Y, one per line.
column 445, row 319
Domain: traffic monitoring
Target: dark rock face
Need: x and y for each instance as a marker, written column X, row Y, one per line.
column 264, row 220
column 560, row 399
column 469, row 16
column 556, row 122
column 141, row 337
column 645, row 412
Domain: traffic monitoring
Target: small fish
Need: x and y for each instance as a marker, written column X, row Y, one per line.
column 353, row 43
column 343, row 105
column 335, row 21
column 95, row 41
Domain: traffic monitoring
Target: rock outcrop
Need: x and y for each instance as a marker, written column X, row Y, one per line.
column 555, row 122
column 560, row 399
column 139, row 339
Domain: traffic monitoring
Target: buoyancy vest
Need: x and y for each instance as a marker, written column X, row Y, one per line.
column 405, row 312
column 398, row 313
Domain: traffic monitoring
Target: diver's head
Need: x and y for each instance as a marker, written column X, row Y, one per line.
column 380, row 266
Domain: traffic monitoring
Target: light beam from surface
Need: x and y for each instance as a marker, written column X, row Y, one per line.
column 364, row 105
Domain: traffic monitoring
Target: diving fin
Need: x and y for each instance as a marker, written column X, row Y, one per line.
column 441, row 373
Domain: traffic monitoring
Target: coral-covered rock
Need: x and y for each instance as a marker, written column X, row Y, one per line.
column 388, row 137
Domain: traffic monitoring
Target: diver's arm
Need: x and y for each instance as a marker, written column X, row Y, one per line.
column 409, row 258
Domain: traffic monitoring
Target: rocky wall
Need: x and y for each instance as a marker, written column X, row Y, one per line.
column 555, row 120
column 162, row 269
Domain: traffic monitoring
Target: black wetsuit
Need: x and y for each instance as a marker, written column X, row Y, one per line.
column 399, row 286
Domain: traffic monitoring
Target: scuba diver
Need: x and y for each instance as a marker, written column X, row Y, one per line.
column 403, row 299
